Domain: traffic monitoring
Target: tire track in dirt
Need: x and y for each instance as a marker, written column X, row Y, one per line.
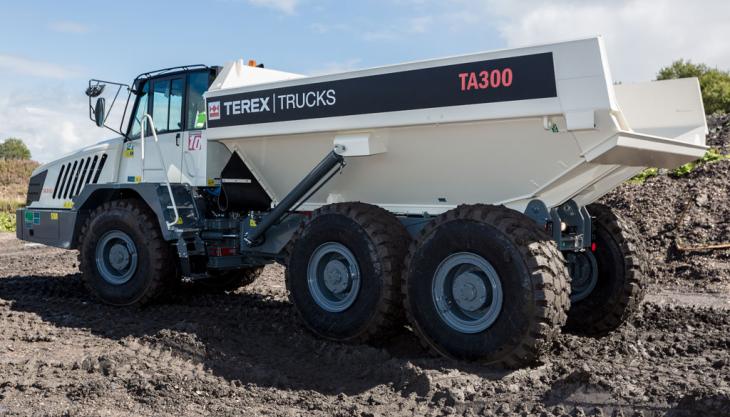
column 245, row 353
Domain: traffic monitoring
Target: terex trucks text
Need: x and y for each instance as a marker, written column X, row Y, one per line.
column 456, row 195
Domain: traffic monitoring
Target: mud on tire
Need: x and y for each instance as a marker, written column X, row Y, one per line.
column 621, row 274
column 348, row 240
column 134, row 262
column 508, row 254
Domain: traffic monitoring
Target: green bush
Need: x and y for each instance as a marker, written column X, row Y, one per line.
column 7, row 222
column 642, row 176
column 14, row 148
column 714, row 83
column 710, row 156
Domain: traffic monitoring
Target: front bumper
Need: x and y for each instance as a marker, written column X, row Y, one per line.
column 50, row 227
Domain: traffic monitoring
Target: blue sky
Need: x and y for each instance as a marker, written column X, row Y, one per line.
column 51, row 48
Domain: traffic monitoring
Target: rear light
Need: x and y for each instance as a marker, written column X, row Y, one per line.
column 594, row 247
column 221, row 251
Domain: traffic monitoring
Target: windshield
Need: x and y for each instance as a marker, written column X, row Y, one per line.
column 139, row 112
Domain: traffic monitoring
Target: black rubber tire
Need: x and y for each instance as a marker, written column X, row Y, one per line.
column 379, row 242
column 621, row 276
column 225, row 281
column 156, row 260
column 531, row 271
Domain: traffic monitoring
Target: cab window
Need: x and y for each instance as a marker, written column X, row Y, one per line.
column 167, row 103
column 197, row 85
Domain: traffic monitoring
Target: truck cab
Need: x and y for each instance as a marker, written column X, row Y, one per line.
column 174, row 100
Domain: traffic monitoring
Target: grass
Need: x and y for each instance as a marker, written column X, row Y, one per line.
column 644, row 175
column 712, row 155
column 14, row 175
column 7, row 221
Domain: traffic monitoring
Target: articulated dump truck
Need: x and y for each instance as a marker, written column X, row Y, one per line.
column 455, row 196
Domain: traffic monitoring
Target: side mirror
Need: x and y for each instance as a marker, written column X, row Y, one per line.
column 99, row 112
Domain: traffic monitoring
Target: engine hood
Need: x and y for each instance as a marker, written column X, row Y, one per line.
column 104, row 145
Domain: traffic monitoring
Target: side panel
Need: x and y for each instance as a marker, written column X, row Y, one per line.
column 46, row 226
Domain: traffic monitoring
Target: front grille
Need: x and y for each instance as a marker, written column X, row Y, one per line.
column 75, row 174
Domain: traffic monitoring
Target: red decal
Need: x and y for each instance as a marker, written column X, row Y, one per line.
column 507, row 77
column 486, row 79
column 463, row 76
column 484, row 75
column 495, row 78
column 473, row 84
column 194, row 141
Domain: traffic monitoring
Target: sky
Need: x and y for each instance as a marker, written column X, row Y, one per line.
column 51, row 48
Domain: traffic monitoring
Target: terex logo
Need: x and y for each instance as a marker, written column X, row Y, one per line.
column 214, row 110
column 248, row 105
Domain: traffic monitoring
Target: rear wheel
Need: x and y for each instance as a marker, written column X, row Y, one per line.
column 343, row 272
column 484, row 283
column 613, row 285
column 122, row 256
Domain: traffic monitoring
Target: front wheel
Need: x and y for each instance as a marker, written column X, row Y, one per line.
column 122, row 256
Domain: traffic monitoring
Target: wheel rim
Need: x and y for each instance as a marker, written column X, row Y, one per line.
column 116, row 257
column 583, row 270
column 333, row 277
column 467, row 292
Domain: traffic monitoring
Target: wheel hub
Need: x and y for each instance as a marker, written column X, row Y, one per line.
column 116, row 257
column 119, row 256
column 467, row 292
column 333, row 277
column 583, row 270
column 336, row 276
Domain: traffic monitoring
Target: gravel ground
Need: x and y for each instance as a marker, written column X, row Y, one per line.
column 244, row 353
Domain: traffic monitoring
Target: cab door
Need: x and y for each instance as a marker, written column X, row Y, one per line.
column 166, row 108
column 195, row 145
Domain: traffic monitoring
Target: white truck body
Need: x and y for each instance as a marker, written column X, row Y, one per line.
column 578, row 144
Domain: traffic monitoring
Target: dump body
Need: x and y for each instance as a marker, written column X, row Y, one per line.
column 504, row 127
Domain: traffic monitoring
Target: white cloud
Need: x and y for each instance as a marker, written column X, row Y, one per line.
column 26, row 66
column 419, row 24
column 404, row 27
column 51, row 121
column 335, row 67
column 67, row 26
column 641, row 36
column 286, row 6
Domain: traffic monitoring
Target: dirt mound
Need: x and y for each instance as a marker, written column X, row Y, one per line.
column 656, row 205
column 719, row 132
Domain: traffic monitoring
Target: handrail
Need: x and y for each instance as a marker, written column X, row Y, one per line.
column 148, row 118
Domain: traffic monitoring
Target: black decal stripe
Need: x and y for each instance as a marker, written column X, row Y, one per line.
column 532, row 77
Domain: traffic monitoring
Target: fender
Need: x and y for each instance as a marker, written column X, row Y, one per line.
column 61, row 228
